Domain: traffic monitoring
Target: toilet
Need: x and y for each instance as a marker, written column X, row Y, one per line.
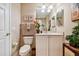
column 25, row 49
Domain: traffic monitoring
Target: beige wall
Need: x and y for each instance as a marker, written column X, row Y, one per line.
column 28, row 9
column 15, row 22
column 68, row 24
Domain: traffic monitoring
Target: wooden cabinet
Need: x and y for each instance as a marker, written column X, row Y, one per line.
column 49, row 45
column 55, row 44
column 41, row 45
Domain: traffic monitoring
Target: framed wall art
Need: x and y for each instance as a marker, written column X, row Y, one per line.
column 75, row 12
column 60, row 18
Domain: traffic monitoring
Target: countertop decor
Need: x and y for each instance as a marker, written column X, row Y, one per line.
column 37, row 26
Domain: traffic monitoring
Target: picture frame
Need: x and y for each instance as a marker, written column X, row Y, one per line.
column 60, row 18
column 75, row 12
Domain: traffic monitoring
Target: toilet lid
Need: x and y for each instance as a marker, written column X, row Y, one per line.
column 25, row 48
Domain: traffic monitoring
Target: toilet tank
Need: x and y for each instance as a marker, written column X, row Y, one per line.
column 28, row 40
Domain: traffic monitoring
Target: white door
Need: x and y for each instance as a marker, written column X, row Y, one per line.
column 4, row 30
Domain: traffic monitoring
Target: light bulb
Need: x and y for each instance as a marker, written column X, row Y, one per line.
column 43, row 7
column 50, row 7
column 43, row 10
column 48, row 10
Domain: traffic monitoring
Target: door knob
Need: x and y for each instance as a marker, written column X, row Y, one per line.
column 7, row 34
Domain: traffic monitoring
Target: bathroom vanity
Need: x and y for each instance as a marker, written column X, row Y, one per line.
column 49, row 44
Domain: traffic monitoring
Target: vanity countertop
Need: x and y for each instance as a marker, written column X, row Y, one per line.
column 39, row 34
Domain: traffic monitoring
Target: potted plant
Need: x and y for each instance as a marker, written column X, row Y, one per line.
column 74, row 38
column 37, row 26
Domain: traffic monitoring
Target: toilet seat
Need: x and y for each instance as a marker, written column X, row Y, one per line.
column 24, row 50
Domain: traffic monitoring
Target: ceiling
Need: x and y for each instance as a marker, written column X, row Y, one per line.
column 39, row 13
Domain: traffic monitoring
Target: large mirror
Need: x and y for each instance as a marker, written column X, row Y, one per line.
column 43, row 16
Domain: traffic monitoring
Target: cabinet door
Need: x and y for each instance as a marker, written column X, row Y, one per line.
column 55, row 45
column 41, row 45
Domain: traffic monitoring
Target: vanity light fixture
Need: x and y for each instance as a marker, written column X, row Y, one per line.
column 48, row 10
column 43, row 7
column 42, row 10
column 50, row 7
